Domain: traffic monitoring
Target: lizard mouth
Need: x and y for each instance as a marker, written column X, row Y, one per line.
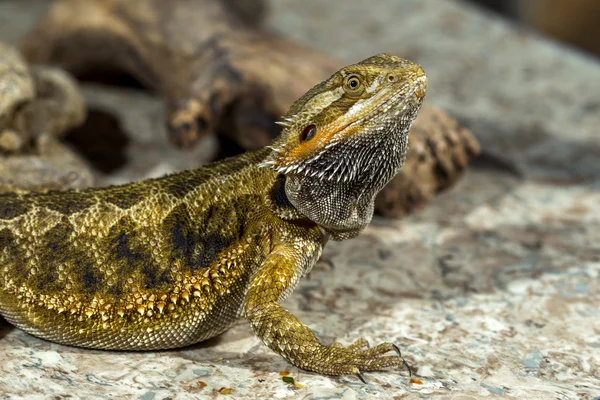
column 411, row 96
column 387, row 113
column 342, row 158
column 416, row 90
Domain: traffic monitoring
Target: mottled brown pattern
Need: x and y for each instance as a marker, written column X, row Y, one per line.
column 101, row 256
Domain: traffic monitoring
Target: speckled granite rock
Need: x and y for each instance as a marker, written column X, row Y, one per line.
column 492, row 291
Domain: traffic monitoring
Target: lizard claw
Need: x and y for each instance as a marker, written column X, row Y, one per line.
column 397, row 350
column 407, row 367
column 361, row 377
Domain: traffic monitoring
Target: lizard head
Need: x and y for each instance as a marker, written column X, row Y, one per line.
column 346, row 138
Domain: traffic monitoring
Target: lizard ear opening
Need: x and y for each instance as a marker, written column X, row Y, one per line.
column 308, row 133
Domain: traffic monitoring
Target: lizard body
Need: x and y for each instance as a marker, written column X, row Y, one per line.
column 168, row 262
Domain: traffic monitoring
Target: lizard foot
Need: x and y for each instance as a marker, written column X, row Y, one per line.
column 355, row 359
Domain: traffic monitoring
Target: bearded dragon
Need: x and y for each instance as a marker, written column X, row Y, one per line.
column 169, row 262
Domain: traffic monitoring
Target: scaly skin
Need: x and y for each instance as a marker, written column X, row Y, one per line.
column 172, row 261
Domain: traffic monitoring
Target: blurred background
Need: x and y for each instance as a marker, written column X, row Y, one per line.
column 572, row 21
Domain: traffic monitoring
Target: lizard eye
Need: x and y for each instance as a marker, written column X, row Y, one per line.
column 308, row 133
column 353, row 85
column 391, row 78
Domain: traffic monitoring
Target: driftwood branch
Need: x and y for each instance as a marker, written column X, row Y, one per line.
column 218, row 71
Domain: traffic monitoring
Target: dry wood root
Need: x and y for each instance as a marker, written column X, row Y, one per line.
column 37, row 107
column 220, row 72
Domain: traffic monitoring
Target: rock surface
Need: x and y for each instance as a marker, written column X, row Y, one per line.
column 493, row 290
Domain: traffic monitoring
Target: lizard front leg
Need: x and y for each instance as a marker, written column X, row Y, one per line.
column 285, row 334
